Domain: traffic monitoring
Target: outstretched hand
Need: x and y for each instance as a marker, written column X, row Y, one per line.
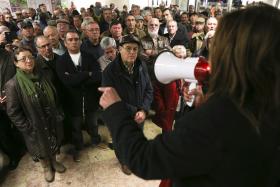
column 109, row 96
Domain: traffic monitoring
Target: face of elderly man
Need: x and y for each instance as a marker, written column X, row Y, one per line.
column 153, row 27
column 172, row 27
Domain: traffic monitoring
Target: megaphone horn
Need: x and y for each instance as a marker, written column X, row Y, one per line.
column 168, row 68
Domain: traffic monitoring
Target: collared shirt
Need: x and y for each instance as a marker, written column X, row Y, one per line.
column 60, row 50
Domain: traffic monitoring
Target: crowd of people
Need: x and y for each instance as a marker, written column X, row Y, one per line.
column 53, row 65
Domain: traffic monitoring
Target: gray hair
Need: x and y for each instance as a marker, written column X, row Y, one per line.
column 39, row 37
column 146, row 12
column 107, row 42
column 4, row 28
column 87, row 21
column 172, row 21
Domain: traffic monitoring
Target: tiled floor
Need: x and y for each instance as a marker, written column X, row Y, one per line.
column 98, row 168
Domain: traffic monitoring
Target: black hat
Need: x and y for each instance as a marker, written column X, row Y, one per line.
column 26, row 24
column 130, row 38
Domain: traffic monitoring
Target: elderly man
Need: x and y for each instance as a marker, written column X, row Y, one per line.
column 168, row 16
column 211, row 24
column 91, row 42
column 152, row 44
column 131, row 27
column 81, row 77
column 52, row 34
column 174, row 37
column 129, row 76
column 46, row 58
column 110, row 52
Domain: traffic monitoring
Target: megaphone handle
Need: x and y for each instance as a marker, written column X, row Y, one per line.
column 191, row 87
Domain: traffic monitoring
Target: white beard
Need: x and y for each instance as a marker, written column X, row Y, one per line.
column 153, row 34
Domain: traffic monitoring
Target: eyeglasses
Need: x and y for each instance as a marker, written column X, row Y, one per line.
column 44, row 46
column 131, row 49
column 24, row 59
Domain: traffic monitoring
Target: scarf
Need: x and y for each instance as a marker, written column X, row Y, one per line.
column 28, row 88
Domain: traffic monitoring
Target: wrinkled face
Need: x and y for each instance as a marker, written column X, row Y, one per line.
column 184, row 18
column 129, row 52
column 110, row 53
column 211, row 24
column 116, row 31
column 107, row 15
column 93, row 31
column 72, row 42
column 172, row 27
column 167, row 16
column 44, row 47
column 28, row 33
column 25, row 61
column 158, row 13
column 52, row 35
column 130, row 22
column 153, row 26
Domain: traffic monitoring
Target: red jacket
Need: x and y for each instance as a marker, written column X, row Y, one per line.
column 166, row 98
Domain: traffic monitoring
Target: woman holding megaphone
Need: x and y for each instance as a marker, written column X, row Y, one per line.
column 232, row 139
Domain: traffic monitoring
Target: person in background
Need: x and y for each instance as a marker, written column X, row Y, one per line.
column 128, row 74
column 110, row 52
column 57, row 45
column 232, row 138
column 32, row 106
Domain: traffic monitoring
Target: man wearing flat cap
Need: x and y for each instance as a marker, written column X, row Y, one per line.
column 129, row 76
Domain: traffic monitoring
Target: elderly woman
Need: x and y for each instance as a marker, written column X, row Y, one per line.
column 110, row 52
column 32, row 107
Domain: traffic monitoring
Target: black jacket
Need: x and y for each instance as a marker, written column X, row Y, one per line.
column 79, row 84
column 211, row 146
column 178, row 39
column 136, row 91
column 36, row 125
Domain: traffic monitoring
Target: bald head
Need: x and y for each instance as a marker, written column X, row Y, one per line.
column 52, row 34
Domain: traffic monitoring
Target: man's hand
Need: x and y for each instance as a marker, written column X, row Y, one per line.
column 109, row 96
column 140, row 116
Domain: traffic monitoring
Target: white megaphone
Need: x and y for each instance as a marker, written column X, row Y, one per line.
column 168, row 68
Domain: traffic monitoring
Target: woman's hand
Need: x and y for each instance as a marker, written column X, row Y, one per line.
column 109, row 96
column 197, row 92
